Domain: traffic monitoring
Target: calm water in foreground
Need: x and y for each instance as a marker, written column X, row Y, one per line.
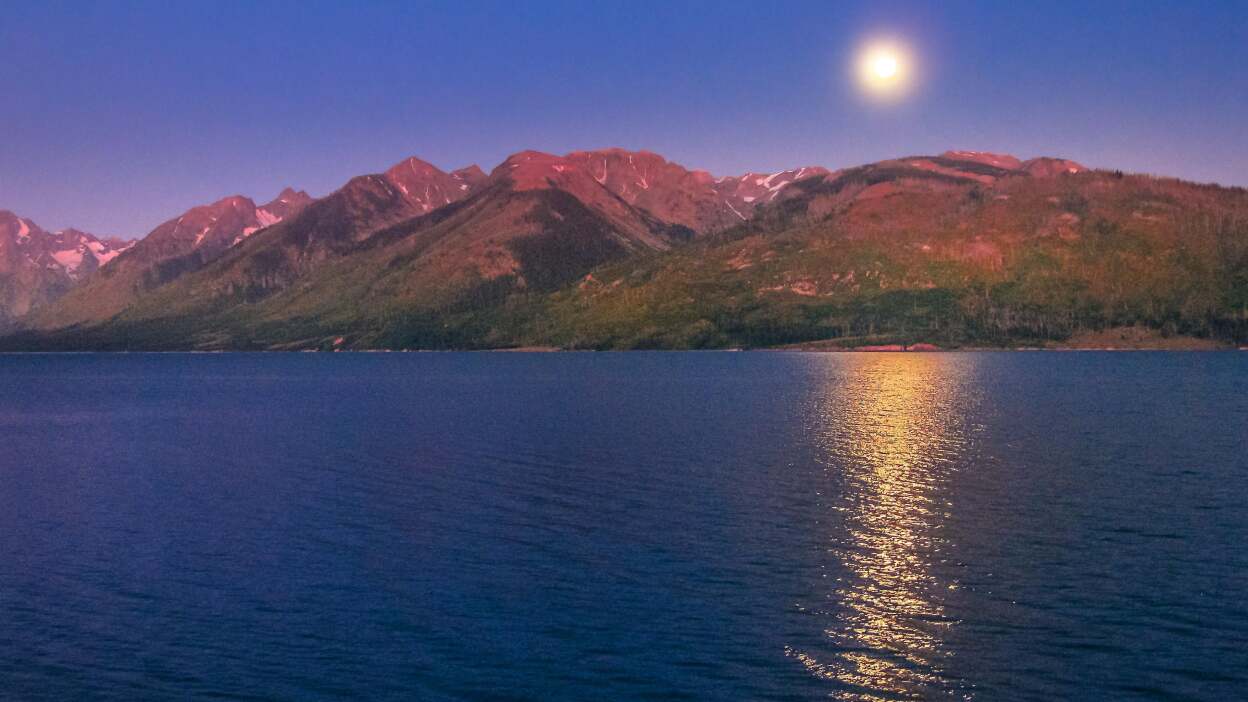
column 1014, row 526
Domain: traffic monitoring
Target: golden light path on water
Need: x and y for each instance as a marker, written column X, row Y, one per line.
column 893, row 425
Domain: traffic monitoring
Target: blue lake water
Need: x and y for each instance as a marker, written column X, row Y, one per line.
column 761, row 526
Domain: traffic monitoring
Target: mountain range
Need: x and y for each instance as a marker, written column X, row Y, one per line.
column 619, row 249
column 37, row 266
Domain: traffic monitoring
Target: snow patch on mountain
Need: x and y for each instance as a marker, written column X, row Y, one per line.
column 69, row 259
column 104, row 253
column 266, row 218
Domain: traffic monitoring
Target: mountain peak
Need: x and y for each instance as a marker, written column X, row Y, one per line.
column 427, row 187
column 230, row 202
column 527, row 156
column 536, row 170
column 290, row 195
column 644, row 179
column 1005, row 161
column 746, row 192
column 413, row 167
column 618, row 152
column 48, row 262
column 16, row 227
column 1045, row 166
column 470, row 175
column 287, row 203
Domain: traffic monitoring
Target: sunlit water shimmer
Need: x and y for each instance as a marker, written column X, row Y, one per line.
column 1015, row 526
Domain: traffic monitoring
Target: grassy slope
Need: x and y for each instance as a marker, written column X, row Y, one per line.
column 1025, row 262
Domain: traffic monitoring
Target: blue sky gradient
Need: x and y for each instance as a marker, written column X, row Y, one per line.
column 118, row 116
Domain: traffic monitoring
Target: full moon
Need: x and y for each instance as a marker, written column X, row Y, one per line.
column 884, row 69
column 885, row 66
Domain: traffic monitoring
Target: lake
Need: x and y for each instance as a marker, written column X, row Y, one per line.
column 636, row 526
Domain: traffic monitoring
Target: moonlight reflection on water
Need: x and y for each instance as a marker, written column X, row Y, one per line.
column 892, row 433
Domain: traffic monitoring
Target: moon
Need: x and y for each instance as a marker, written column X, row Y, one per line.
column 884, row 66
column 884, row 69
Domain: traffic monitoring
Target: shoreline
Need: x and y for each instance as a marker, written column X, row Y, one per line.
column 552, row 350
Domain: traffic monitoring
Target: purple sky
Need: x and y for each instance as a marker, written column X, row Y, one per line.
column 118, row 116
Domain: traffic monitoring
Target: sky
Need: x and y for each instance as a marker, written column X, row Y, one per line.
column 116, row 116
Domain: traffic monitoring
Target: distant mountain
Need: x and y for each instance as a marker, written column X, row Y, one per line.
column 619, row 249
column 747, row 192
column 427, row 188
column 186, row 243
column 667, row 191
column 208, row 230
column 413, row 234
column 38, row 267
column 673, row 194
column 634, row 200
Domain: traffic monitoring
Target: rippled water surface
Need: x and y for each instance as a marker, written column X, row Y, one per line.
column 1016, row 526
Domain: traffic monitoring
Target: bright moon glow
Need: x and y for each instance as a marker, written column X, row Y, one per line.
column 885, row 66
column 884, row 69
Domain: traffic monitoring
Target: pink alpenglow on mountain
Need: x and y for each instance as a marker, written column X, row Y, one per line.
column 213, row 228
column 540, row 218
column 426, row 187
column 72, row 252
column 37, row 267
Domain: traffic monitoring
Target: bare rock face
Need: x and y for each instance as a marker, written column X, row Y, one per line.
column 667, row 191
column 208, row 230
column 426, row 187
column 469, row 176
column 534, row 170
column 287, row 203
